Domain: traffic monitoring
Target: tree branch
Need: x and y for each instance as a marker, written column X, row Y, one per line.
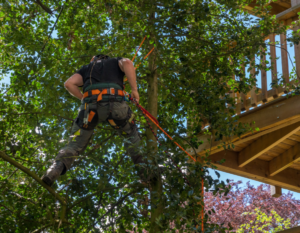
column 7, row 208
column 24, row 198
column 32, row 175
column 45, row 8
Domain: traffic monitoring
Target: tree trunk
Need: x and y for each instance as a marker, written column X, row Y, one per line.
column 157, row 205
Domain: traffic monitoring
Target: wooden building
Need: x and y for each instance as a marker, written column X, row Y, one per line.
column 272, row 154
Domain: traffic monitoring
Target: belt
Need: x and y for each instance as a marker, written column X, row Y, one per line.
column 108, row 91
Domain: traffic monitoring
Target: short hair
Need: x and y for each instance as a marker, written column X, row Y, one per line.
column 100, row 57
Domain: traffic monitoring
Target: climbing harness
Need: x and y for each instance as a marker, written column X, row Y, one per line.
column 147, row 116
column 88, row 117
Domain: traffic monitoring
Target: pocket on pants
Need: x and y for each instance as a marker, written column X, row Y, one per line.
column 119, row 111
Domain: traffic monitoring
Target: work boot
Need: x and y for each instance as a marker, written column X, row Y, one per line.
column 53, row 172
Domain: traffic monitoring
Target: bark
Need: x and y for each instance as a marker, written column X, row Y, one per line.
column 156, row 192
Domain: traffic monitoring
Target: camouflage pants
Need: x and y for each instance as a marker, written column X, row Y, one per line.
column 80, row 137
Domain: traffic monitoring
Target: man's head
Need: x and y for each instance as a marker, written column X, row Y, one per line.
column 99, row 57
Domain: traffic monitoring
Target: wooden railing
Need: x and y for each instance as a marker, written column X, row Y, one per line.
column 259, row 96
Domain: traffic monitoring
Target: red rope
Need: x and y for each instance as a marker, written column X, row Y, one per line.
column 167, row 153
column 155, row 135
column 155, row 121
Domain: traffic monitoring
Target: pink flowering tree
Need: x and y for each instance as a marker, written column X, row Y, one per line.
column 229, row 211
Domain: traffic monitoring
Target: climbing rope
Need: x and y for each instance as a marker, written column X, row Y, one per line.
column 138, row 48
column 136, row 54
column 145, row 58
column 147, row 116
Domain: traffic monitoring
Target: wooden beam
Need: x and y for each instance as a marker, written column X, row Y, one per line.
column 284, row 3
column 276, row 191
column 276, row 112
column 289, row 13
column 275, row 115
column 257, row 170
column 276, row 8
column 265, row 143
column 238, row 141
column 285, row 160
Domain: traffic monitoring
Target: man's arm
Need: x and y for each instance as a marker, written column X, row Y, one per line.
column 127, row 67
column 73, row 84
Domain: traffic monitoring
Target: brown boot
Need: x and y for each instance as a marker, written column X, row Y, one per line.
column 53, row 172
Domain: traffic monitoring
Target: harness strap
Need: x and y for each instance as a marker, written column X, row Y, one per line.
column 108, row 91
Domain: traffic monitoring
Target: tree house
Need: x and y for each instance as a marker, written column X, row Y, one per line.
column 272, row 154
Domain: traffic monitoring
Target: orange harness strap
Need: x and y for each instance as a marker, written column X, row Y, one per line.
column 110, row 91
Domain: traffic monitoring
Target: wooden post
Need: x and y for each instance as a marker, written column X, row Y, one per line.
column 276, row 191
column 297, row 55
column 236, row 95
column 273, row 61
column 253, row 93
column 244, row 96
column 232, row 94
column 264, row 86
column 238, row 101
column 284, row 59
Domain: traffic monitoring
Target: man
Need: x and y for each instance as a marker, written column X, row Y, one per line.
column 102, row 82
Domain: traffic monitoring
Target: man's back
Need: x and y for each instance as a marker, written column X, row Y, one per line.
column 102, row 71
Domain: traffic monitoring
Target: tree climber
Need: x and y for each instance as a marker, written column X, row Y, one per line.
column 103, row 100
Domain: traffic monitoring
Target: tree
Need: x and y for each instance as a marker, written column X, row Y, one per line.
column 264, row 223
column 44, row 42
column 248, row 208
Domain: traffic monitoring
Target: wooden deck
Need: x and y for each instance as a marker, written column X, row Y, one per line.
column 271, row 155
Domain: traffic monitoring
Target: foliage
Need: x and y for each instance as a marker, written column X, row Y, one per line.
column 264, row 223
column 249, row 207
column 42, row 43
